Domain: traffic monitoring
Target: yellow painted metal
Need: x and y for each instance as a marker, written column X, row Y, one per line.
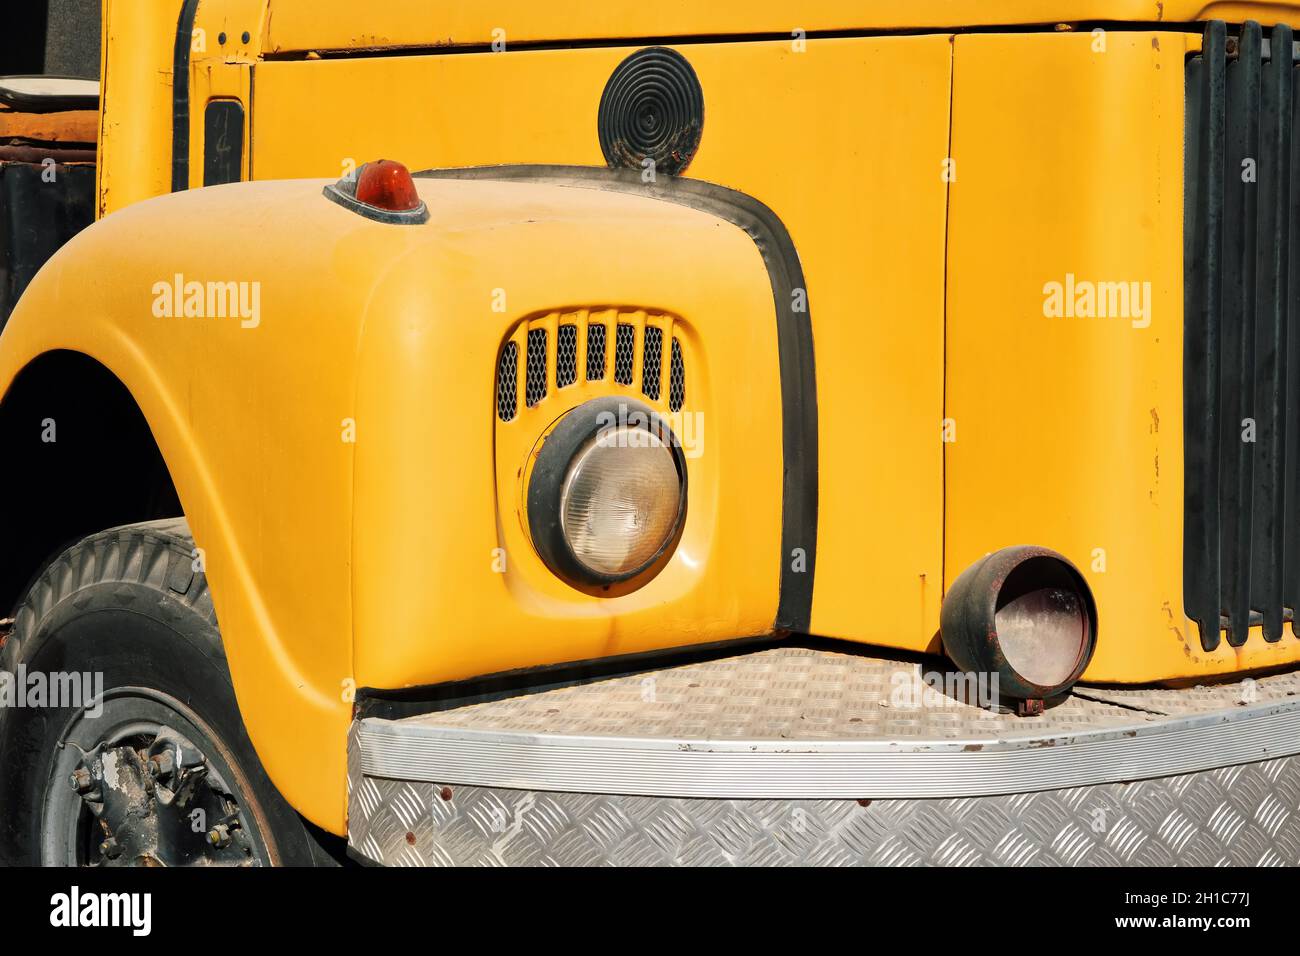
column 869, row 227
column 220, row 67
column 520, row 439
column 135, row 123
column 136, row 115
column 1069, row 429
column 301, row 25
column 446, row 583
column 330, row 559
column 334, row 452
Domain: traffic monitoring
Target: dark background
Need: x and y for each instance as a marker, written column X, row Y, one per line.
column 55, row 37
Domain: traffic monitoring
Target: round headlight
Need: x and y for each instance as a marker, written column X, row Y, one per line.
column 1024, row 616
column 607, row 493
column 619, row 501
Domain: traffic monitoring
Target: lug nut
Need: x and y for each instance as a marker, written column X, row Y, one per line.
column 219, row 836
column 161, row 764
column 81, row 780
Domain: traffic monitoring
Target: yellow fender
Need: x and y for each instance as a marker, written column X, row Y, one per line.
column 333, row 442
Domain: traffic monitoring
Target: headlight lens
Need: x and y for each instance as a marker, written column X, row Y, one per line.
column 620, row 501
column 1043, row 633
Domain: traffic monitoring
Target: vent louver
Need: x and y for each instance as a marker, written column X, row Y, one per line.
column 508, row 382
column 535, row 383
column 582, row 351
column 566, row 356
column 652, row 362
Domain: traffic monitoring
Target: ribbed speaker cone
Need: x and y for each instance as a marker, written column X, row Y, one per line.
column 652, row 108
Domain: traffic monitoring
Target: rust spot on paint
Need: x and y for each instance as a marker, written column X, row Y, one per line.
column 410, row 838
column 1155, row 45
column 445, row 793
column 1155, row 422
column 1177, row 632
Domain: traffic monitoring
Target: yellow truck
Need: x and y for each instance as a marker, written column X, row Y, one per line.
column 679, row 433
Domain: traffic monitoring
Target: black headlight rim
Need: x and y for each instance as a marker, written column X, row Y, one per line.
column 559, row 448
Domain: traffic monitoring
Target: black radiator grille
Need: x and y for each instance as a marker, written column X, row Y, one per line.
column 1242, row 420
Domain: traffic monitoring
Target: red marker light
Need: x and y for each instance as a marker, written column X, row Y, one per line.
column 387, row 184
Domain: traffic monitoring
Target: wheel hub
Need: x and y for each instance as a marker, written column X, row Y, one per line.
column 162, row 804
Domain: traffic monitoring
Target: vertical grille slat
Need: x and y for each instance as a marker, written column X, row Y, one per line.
column 652, row 361
column 566, row 356
column 1291, row 480
column 595, row 352
column 1206, row 88
column 1242, row 418
column 535, row 375
column 1239, row 294
column 1271, row 336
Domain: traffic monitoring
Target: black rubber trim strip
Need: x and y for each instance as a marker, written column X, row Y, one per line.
column 181, row 96
column 794, row 342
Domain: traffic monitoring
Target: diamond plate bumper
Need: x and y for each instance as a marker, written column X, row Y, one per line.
column 808, row 756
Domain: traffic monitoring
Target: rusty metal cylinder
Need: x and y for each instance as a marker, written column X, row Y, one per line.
column 1024, row 615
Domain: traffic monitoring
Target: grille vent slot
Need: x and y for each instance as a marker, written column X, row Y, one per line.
column 677, row 379
column 652, row 361
column 535, row 383
column 508, row 382
column 566, row 356
column 595, row 352
column 577, row 355
column 624, row 354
